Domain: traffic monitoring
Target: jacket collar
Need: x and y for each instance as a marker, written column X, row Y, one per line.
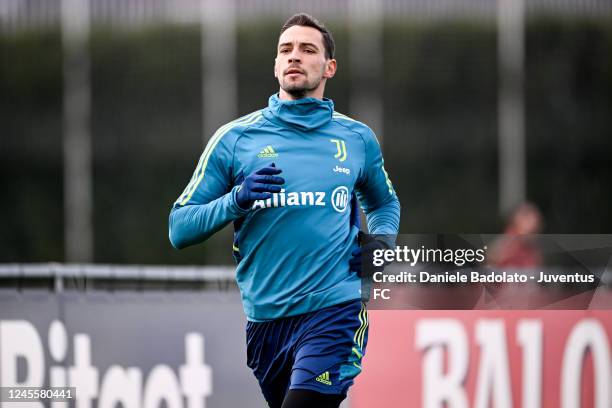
column 304, row 114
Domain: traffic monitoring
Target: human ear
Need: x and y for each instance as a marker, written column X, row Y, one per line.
column 330, row 68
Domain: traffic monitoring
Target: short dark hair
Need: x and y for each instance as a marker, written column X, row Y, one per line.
column 303, row 19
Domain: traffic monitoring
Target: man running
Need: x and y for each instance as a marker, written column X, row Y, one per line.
column 288, row 177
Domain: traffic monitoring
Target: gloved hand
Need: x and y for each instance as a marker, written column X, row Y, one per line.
column 364, row 255
column 259, row 185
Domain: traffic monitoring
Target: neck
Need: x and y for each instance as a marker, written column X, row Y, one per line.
column 315, row 93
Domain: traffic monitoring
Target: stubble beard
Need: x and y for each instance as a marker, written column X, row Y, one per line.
column 296, row 91
column 301, row 90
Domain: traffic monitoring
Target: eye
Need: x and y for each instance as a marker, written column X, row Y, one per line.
column 283, row 51
column 309, row 51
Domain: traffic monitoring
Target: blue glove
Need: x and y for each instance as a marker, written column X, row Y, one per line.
column 364, row 255
column 259, row 185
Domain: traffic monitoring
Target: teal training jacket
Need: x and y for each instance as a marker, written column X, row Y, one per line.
column 293, row 249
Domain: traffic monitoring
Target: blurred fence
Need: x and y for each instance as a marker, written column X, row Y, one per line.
column 438, row 90
column 30, row 14
column 60, row 277
column 56, row 277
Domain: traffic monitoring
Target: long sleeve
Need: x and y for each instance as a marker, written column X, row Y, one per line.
column 375, row 191
column 194, row 223
column 384, row 219
column 208, row 203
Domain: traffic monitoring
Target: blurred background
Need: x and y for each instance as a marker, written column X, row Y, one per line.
column 481, row 106
column 106, row 106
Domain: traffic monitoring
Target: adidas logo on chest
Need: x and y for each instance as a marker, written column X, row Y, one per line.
column 267, row 152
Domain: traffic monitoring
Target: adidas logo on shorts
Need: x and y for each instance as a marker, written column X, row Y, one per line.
column 324, row 378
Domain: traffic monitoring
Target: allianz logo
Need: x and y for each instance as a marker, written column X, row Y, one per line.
column 339, row 199
column 344, row 170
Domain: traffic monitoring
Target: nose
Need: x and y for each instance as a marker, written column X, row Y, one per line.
column 294, row 56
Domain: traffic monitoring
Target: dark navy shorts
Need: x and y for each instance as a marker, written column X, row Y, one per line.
column 319, row 351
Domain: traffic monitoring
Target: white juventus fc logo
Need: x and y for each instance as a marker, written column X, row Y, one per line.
column 340, row 198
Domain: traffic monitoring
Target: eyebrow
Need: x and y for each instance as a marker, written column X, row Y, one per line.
column 307, row 44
